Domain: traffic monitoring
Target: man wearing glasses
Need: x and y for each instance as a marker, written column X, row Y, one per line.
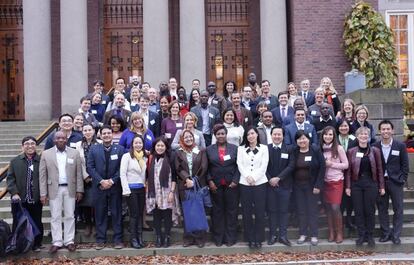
column 23, row 184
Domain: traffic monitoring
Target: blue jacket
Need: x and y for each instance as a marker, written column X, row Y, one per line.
column 128, row 135
column 277, row 118
column 291, row 129
column 96, row 165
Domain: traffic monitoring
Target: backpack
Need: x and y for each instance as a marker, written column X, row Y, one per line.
column 4, row 236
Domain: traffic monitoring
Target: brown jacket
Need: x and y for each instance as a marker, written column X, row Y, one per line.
column 352, row 173
column 200, row 166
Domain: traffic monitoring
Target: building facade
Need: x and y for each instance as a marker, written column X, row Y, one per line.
column 52, row 50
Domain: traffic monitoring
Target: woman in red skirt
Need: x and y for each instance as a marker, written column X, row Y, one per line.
column 336, row 163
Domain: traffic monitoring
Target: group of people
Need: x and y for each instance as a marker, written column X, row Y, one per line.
column 277, row 156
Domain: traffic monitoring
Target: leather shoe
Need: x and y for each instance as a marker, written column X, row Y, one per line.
column 71, row 247
column 396, row 241
column 360, row 241
column 272, row 240
column 99, row 246
column 283, row 240
column 218, row 243
column 53, row 249
column 384, row 238
column 134, row 243
column 230, row 243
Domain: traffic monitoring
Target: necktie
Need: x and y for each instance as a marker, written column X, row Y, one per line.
column 283, row 112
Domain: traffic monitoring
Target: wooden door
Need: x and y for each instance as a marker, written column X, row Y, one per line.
column 122, row 39
column 227, row 41
column 11, row 60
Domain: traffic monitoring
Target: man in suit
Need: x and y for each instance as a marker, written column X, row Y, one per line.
column 151, row 119
column 270, row 99
column 279, row 173
column 283, row 111
column 61, row 182
column 299, row 124
column 103, row 166
column 265, row 128
column 395, row 164
column 23, row 184
column 307, row 95
column 119, row 111
column 215, row 100
column 247, row 101
column 244, row 116
column 66, row 126
column 207, row 117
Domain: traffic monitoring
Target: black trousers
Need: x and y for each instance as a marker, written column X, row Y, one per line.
column 253, row 202
column 396, row 193
column 307, row 209
column 103, row 200
column 224, row 214
column 35, row 211
column 207, row 139
column 160, row 217
column 136, row 204
column 278, row 210
column 364, row 194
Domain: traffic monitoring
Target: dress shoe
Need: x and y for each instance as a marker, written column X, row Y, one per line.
column 272, row 240
column 100, row 246
column 283, row 240
column 371, row 242
column 218, row 243
column 134, row 243
column 118, row 245
column 396, row 241
column 301, row 240
column 167, row 241
column 141, row 241
column 360, row 241
column 384, row 238
column 71, row 247
column 53, row 249
column 230, row 243
column 314, row 241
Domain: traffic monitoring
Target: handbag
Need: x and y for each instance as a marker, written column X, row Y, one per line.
column 204, row 192
column 193, row 210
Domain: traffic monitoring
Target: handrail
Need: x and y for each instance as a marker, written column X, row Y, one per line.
column 40, row 138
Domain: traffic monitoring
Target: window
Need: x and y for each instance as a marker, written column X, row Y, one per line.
column 402, row 24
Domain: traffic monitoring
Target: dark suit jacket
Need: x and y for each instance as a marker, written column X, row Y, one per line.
column 248, row 118
column 218, row 170
column 291, row 130
column 214, row 116
column 310, row 98
column 199, row 169
column 397, row 163
column 16, row 177
column 125, row 115
column 284, row 169
column 97, row 163
column 90, row 120
column 219, row 102
column 317, row 166
column 154, row 123
column 272, row 103
column 277, row 118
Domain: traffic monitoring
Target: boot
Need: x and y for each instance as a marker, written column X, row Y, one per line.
column 140, row 240
column 158, row 241
column 339, row 229
column 167, row 241
column 331, row 237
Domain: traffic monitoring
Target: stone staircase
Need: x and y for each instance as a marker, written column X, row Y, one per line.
column 11, row 134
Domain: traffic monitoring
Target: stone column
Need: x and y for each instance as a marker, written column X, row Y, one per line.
column 37, row 60
column 192, row 42
column 274, row 43
column 74, row 53
column 156, row 42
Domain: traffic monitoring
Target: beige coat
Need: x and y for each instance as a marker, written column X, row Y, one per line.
column 49, row 173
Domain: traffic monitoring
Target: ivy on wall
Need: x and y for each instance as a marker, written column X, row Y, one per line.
column 369, row 45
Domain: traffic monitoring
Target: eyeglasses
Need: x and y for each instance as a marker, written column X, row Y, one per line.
column 29, row 144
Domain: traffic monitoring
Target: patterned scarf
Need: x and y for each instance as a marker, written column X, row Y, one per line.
column 164, row 174
column 29, row 181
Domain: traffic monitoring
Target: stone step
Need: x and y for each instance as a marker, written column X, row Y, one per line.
column 17, row 146
column 14, row 123
column 87, row 251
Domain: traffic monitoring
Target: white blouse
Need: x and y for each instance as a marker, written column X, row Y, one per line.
column 234, row 134
column 251, row 164
column 131, row 172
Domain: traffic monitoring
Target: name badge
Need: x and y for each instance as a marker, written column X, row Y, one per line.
column 149, row 137
column 103, row 102
column 215, row 102
column 246, row 119
column 226, row 157
column 31, row 168
column 259, row 124
column 72, row 144
column 179, row 125
column 334, row 96
column 352, row 137
column 308, row 158
column 196, row 151
column 395, row 152
column 133, row 104
column 285, row 156
column 152, row 122
column 310, row 135
column 168, row 135
column 313, row 112
column 359, row 154
column 70, row 161
column 114, row 157
column 211, row 115
column 307, row 122
column 94, row 111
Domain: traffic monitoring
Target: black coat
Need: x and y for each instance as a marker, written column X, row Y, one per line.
column 397, row 163
column 218, row 170
column 285, row 168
